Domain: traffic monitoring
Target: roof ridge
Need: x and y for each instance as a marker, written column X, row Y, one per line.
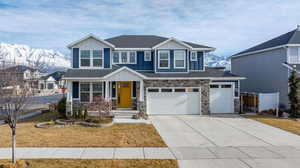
column 294, row 32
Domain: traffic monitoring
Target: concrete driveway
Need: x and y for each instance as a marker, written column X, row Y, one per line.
column 232, row 141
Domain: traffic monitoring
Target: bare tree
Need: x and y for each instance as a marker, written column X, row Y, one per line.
column 13, row 100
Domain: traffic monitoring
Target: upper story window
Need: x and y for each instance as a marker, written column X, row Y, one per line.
column 124, row 57
column 163, row 59
column 97, row 58
column 193, row 56
column 179, row 59
column 91, row 58
column 85, row 58
column 147, row 56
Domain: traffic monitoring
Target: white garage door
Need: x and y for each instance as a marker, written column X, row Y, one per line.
column 221, row 98
column 173, row 101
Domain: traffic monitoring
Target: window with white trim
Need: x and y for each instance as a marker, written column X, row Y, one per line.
column 85, row 58
column 88, row 91
column 85, row 92
column 163, row 59
column 193, row 56
column 97, row 89
column 179, row 59
column 132, row 57
column 147, row 56
column 116, row 57
column 97, row 58
column 124, row 57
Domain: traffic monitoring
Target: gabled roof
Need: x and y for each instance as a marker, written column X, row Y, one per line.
column 90, row 36
column 290, row 38
column 56, row 75
column 139, row 41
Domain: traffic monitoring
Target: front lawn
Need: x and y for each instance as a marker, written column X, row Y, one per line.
column 282, row 123
column 118, row 135
column 100, row 163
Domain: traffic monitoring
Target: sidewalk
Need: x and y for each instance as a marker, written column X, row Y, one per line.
column 89, row 153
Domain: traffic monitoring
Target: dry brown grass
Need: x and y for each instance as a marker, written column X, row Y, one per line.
column 118, row 135
column 104, row 163
column 285, row 124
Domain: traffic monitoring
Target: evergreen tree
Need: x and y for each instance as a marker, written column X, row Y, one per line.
column 293, row 95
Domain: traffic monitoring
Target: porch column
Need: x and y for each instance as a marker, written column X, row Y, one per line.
column 69, row 90
column 141, row 91
column 106, row 90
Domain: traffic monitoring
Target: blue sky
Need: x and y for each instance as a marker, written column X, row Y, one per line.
column 228, row 25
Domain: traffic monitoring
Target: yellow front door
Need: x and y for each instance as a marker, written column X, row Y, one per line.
column 124, row 95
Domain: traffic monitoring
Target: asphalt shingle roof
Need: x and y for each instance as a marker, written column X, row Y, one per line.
column 142, row 41
column 98, row 73
column 292, row 37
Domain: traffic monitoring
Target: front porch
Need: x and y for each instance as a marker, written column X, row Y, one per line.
column 124, row 89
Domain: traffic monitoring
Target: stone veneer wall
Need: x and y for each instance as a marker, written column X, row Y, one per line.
column 236, row 105
column 204, row 84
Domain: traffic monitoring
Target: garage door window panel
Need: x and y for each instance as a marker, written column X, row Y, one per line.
column 179, row 90
column 166, row 90
column 153, row 90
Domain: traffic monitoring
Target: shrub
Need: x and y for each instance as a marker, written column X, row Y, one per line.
column 61, row 107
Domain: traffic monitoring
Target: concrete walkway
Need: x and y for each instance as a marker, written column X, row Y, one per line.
column 89, row 153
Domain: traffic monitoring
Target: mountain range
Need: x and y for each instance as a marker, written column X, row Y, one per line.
column 45, row 60
column 50, row 60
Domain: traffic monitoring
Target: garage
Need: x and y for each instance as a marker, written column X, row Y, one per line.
column 169, row 101
column 221, row 98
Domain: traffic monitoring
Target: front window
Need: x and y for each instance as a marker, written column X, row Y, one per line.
column 116, row 57
column 97, row 58
column 85, row 58
column 124, row 57
column 132, row 57
column 164, row 59
column 193, row 56
column 97, row 90
column 147, row 56
column 179, row 59
column 85, row 92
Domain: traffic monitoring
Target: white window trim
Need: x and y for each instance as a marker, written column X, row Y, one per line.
column 128, row 57
column 299, row 53
column 184, row 60
column 196, row 58
column 91, row 59
column 146, row 57
column 168, row 51
column 91, row 90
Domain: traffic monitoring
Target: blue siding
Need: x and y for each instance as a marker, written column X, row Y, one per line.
column 141, row 64
column 75, row 58
column 197, row 65
column 106, row 57
column 171, row 69
column 75, row 91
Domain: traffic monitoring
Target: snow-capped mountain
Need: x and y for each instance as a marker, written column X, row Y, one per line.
column 217, row 61
column 48, row 60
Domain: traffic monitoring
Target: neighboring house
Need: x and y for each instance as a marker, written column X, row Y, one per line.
column 162, row 75
column 23, row 73
column 52, row 81
column 267, row 66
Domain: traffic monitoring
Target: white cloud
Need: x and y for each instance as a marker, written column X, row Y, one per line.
column 228, row 25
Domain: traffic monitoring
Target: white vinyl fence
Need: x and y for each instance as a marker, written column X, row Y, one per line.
column 268, row 101
column 258, row 102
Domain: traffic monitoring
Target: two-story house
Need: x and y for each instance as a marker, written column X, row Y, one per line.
column 166, row 75
column 267, row 66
